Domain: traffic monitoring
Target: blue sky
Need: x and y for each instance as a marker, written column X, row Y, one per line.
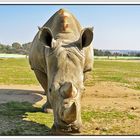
column 115, row 26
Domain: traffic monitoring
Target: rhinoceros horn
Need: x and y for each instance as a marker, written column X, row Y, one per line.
column 70, row 114
column 67, row 90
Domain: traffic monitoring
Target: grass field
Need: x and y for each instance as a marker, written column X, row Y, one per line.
column 22, row 118
column 127, row 73
column 17, row 71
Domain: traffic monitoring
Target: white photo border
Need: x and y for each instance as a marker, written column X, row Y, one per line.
column 70, row 2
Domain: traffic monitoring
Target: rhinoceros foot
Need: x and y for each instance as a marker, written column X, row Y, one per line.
column 47, row 108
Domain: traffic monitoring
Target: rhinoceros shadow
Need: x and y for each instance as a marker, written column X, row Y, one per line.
column 20, row 95
column 15, row 105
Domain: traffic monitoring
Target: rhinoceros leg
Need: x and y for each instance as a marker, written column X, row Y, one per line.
column 42, row 78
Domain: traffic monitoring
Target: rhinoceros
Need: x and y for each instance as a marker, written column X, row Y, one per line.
column 61, row 53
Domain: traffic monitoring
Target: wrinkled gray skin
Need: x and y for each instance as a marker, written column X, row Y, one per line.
column 60, row 54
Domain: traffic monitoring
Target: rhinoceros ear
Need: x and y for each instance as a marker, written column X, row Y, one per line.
column 45, row 36
column 86, row 37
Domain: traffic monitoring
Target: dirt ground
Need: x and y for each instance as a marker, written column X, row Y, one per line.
column 22, row 93
column 111, row 95
column 101, row 96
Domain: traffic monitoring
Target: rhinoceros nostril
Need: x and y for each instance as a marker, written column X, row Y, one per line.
column 50, row 90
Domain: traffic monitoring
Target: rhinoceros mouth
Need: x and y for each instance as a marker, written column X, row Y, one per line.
column 65, row 128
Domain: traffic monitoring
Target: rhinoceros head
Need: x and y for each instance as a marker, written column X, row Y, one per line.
column 65, row 65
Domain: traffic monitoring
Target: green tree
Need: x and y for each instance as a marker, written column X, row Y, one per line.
column 16, row 45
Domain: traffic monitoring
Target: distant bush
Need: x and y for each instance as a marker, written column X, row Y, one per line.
column 115, row 54
column 15, row 48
